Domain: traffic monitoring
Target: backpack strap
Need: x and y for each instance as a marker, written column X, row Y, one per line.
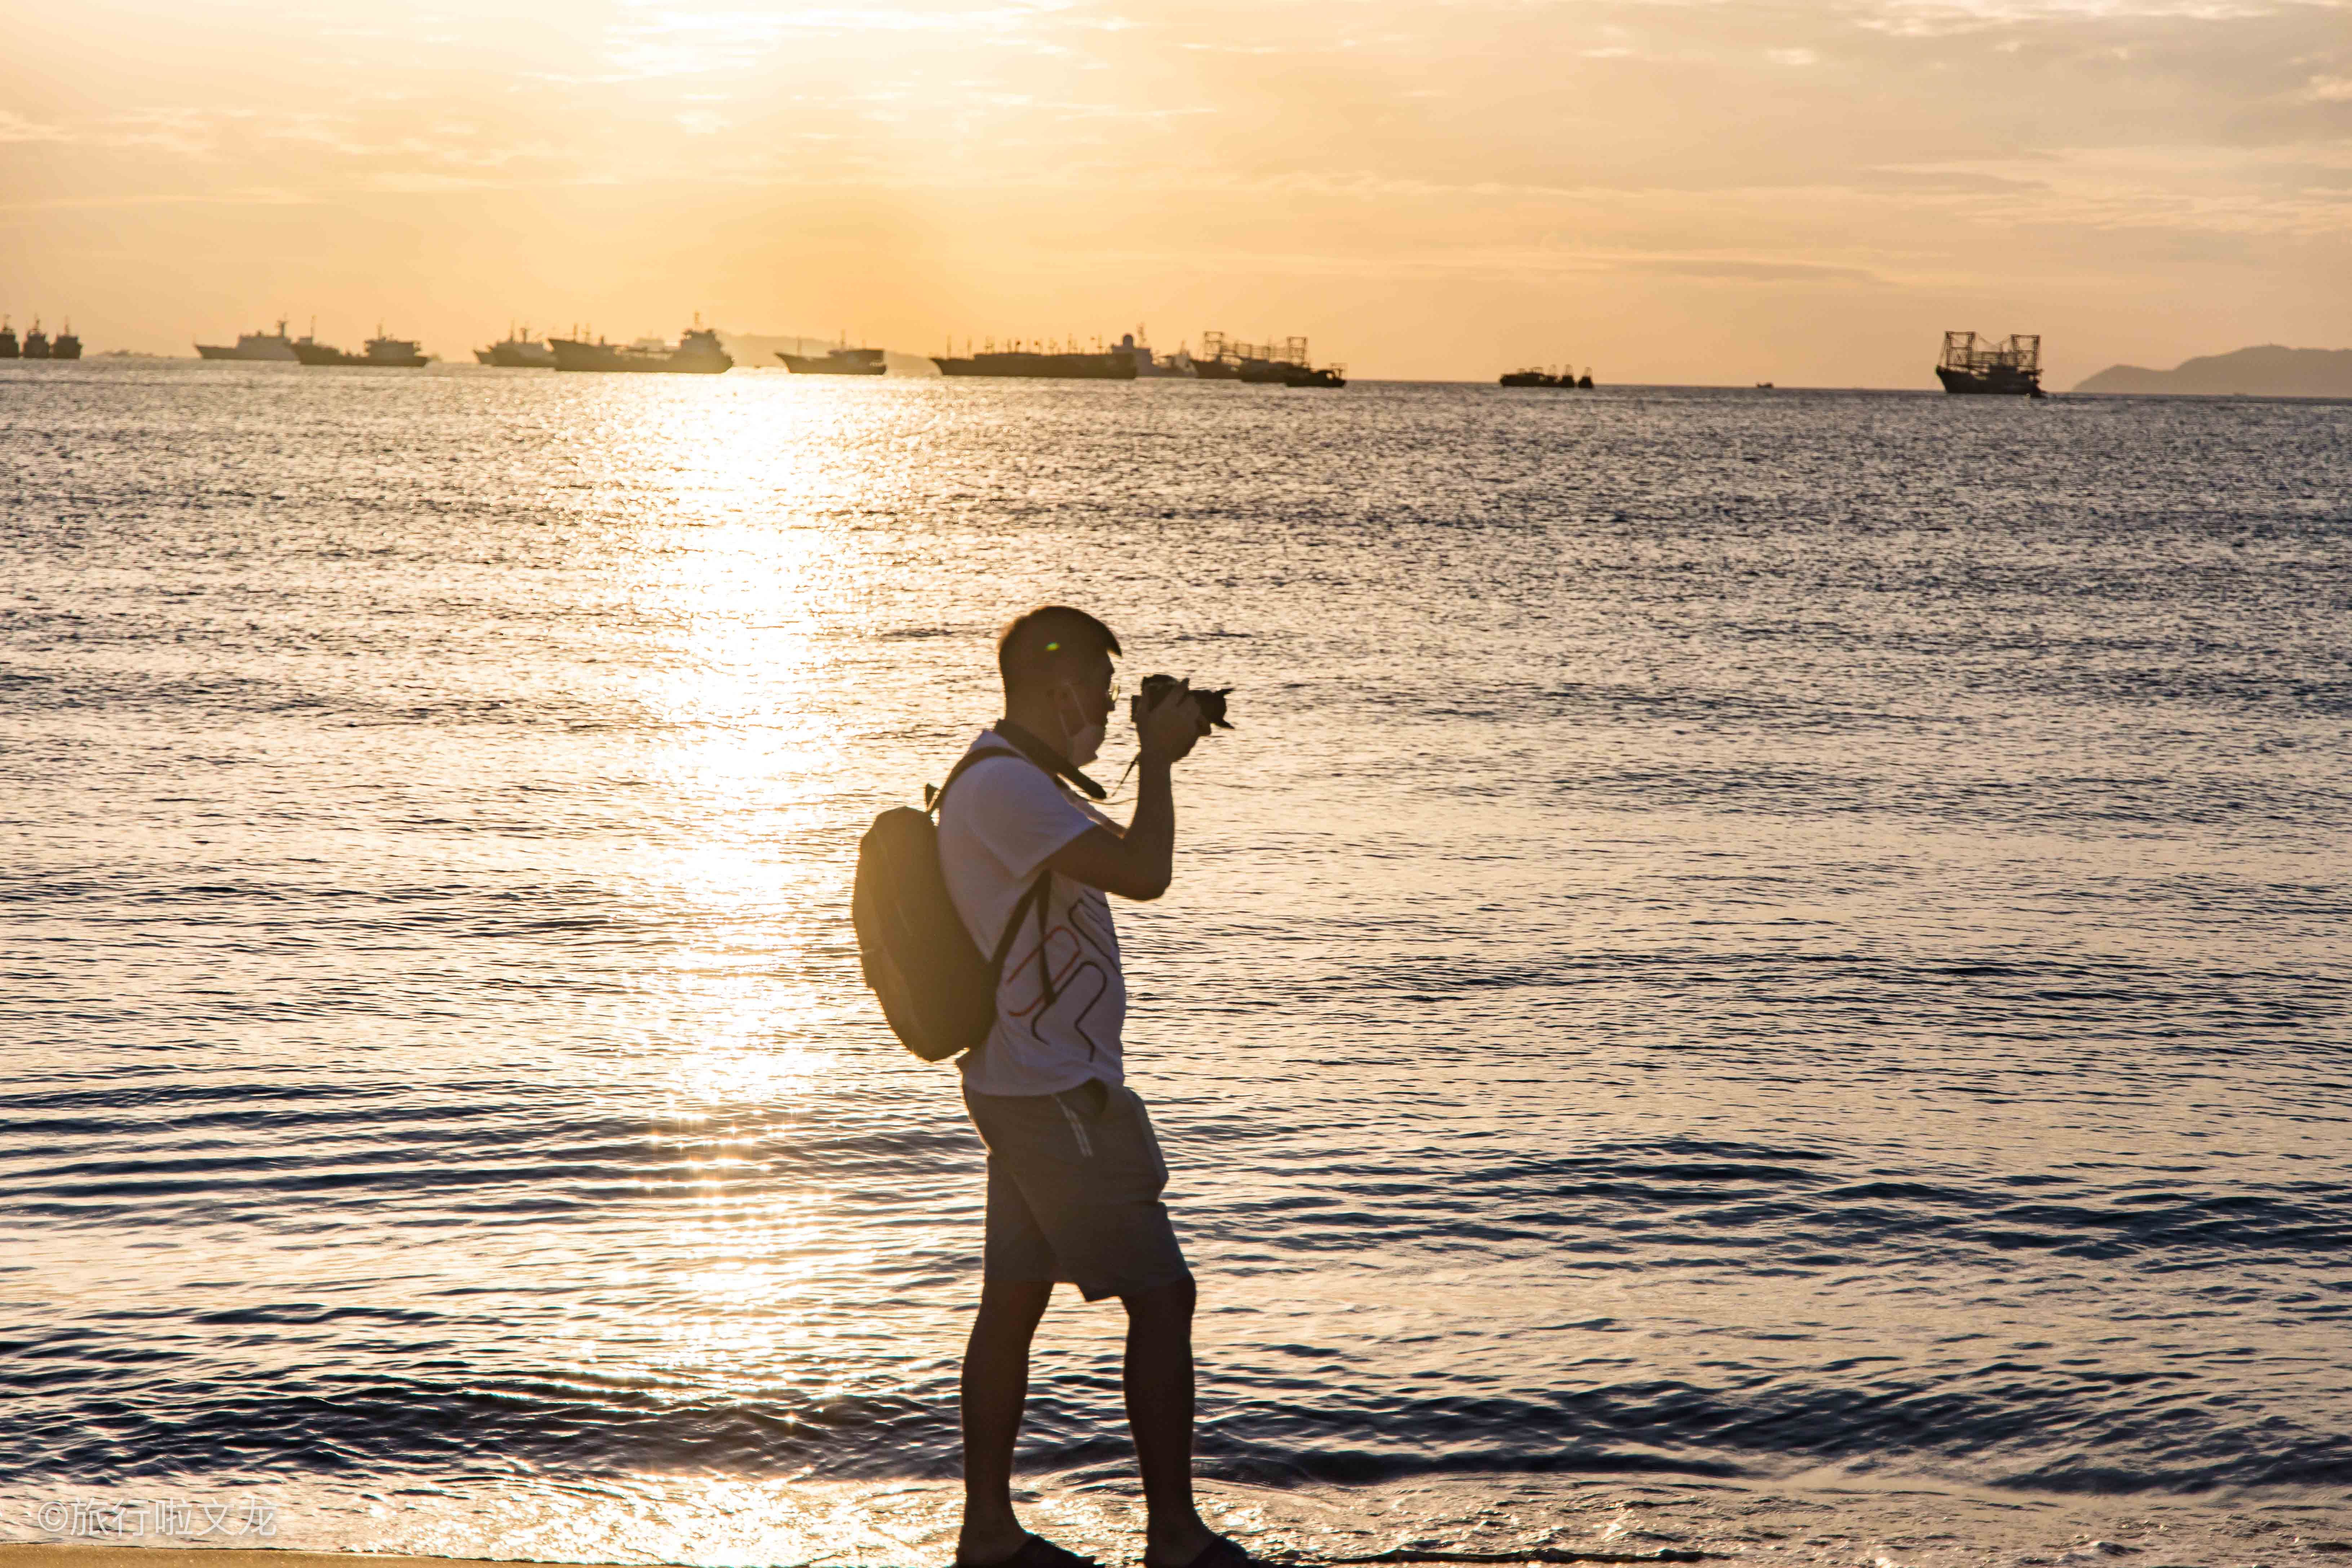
column 934, row 799
column 1035, row 898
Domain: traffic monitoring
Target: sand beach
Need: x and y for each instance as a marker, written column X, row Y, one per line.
column 1492, row 1524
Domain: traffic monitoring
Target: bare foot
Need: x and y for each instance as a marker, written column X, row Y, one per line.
column 1182, row 1546
column 991, row 1550
column 984, row 1548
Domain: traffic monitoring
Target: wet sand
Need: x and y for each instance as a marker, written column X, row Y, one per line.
column 43, row 1555
column 1833, row 1522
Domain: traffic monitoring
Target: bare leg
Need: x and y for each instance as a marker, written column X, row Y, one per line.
column 1160, row 1413
column 995, row 1386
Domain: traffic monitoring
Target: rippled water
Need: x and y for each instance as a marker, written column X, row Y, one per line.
column 1741, row 940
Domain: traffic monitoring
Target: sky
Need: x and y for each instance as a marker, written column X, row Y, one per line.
column 1808, row 192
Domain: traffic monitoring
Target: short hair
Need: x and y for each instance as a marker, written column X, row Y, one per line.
column 1048, row 643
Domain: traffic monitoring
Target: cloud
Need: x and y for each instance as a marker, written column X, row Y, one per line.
column 1750, row 271
column 14, row 127
column 1961, row 181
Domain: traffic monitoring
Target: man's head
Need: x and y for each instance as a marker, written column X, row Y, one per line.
column 1058, row 677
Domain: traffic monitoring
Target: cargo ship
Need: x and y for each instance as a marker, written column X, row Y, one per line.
column 1044, row 363
column 1266, row 366
column 1217, row 359
column 2011, row 369
column 37, row 344
column 696, row 353
column 1263, row 364
column 382, row 353
column 519, row 350
column 1566, row 380
column 1177, row 366
column 274, row 345
column 842, row 360
column 1292, row 372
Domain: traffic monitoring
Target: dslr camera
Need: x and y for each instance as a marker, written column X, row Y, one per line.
column 1211, row 703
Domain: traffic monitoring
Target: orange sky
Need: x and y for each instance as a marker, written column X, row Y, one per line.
column 1666, row 190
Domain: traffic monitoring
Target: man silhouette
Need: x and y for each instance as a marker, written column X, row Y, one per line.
column 1074, row 1173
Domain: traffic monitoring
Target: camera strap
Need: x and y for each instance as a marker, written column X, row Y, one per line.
column 1044, row 756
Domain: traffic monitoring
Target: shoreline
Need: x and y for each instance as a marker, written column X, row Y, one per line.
column 1822, row 1520
column 95, row 1555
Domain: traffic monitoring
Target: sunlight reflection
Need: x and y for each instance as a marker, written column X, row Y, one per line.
column 727, row 565
column 753, row 1069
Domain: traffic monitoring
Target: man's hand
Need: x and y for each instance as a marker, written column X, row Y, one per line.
column 1167, row 728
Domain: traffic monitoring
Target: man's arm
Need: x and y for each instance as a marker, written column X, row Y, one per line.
column 1139, row 863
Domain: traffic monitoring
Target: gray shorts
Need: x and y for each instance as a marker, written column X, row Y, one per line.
column 1074, row 1184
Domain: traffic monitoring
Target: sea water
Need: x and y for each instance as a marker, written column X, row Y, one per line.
column 1760, row 970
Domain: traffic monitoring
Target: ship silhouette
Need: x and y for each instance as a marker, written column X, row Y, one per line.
column 519, row 350
column 382, row 353
column 1264, row 365
column 1566, row 380
column 1042, row 362
column 2011, row 369
column 838, row 361
column 255, row 345
column 696, row 353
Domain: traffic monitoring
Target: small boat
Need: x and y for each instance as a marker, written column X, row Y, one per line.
column 1763, row 386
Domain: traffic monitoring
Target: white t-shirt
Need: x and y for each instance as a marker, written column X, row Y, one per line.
column 1002, row 820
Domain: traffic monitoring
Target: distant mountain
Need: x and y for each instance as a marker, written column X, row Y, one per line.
column 759, row 349
column 2269, row 371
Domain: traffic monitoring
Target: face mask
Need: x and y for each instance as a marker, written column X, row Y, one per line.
column 1083, row 739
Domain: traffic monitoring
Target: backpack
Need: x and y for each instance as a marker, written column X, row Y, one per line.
column 937, row 989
